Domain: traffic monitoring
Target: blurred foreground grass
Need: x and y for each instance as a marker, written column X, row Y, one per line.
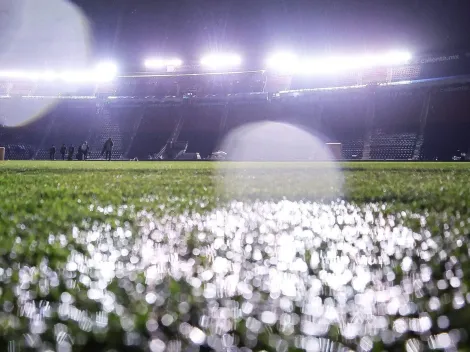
column 46, row 207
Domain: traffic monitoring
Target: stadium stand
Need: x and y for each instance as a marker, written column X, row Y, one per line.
column 201, row 128
column 396, row 113
column 70, row 122
column 154, row 130
column 345, row 121
column 396, row 125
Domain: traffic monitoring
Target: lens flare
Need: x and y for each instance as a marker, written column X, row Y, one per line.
column 39, row 38
column 265, row 156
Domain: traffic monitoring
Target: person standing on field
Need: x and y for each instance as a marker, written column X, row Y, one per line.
column 85, row 150
column 80, row 153
column 52, row 152
column 63, row 151
column 71, row 150
column 108, row 148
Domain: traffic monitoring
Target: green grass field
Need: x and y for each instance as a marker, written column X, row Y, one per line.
column 130, row 256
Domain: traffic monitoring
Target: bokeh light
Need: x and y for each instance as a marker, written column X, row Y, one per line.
column 268, row 155
column 41, row 36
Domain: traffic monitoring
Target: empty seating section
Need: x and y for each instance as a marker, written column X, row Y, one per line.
column 233, row 84
column 19, row 151
column 154, row 130
column 352, row 149
column 41, row 123
column 147, row 86
column 128, row 119
column 106, row 89
column 392, row 146
column 126, row 87
column 190, row 85
column 242, row 114
column 345, row 122
column 201, row 128
column 382, row 123
column 374, row 75
column 107, row 126
column 70, row 122
column 396, row 126
column 405, row 73
column 163, row 86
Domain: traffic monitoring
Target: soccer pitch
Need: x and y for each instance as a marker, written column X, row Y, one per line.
column 132, row 256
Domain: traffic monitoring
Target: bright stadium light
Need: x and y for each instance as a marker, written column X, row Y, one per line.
column 338, row 64
column 283, row 62
column 396, row 58
column 156, row 64
column 66, row 76
column 77, row 76
column 316, row 66
column 47, row 75
column 334, row 64
column 221, row 61
column 102, row 72
column 105, row 71
column 13, row 74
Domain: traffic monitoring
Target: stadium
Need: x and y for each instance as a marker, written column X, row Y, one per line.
column 312, row 203
column 413, row 109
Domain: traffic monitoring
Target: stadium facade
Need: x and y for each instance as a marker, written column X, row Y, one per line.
column 410, row 112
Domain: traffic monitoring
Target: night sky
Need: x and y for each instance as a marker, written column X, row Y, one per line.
column 253, row 27
column 129, row 30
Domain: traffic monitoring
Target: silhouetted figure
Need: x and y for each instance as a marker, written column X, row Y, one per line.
column 80, row 153
column 71, row 150
column 108, row 148
column 85, row 148
column 63, row 151
column 52, row 152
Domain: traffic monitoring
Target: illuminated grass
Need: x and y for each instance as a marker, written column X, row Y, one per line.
column 52, row 211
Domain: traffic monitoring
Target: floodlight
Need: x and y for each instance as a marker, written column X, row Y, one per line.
column 283, row 62
column 49, row 75
column 217, row 61
column 174, row 62
column 106, row 66
column 102, row 72
column 337, row 64
column 154, row 63
column 77, row 76
column 316, row 66
column 162, row 63
column 42, row 75
column 396, row 58
column 13, row 74
column 105, row 71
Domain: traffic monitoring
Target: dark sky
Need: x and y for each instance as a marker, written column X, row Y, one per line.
column 189, row 27
column 129, row 30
